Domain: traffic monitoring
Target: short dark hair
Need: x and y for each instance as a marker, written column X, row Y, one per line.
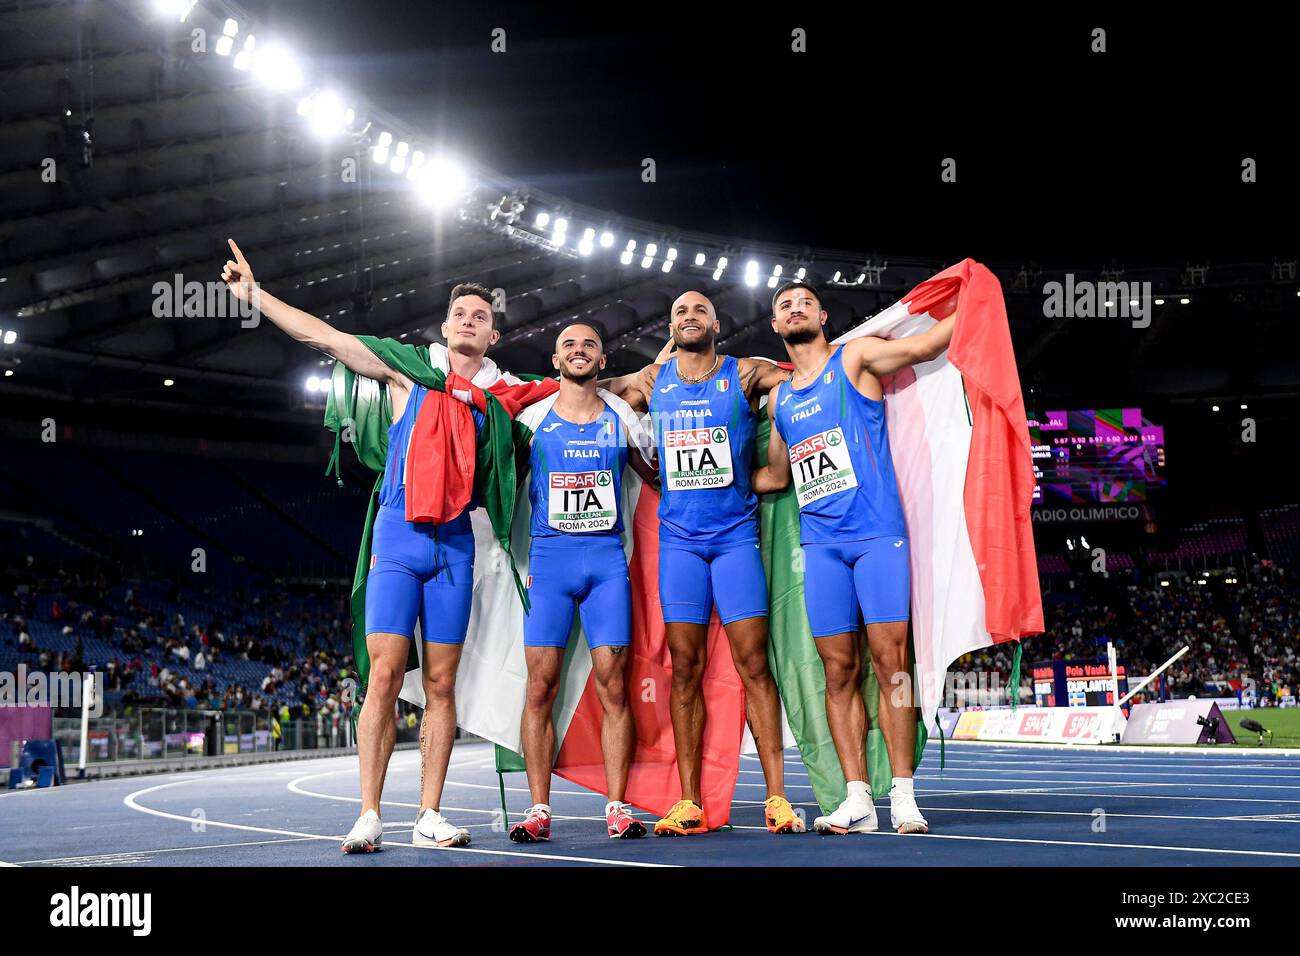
column 484, row 293
column 594, row 326
column 796, row 284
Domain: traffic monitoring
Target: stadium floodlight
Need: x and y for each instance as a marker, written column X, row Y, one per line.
column 379, row 154
column 313, row 384
column 244, row 58
column 11, row 337
column 1214, row 408
column 862, row 277
column 668, row 265
column 402, row 149
column 776, row 270
column 168, row 382
column 1133, row 303
column 1083, row 541
column 631, row 245
column 173, row 8
column 722, row 262
column 626, row 257
column 837, row 276
column 9, row 373
column 1160, row 301
column 442, row 182
column 226, row 42
column 398, row 164
column 751, row 273
column 801, row 273
column 1184, row 300
column 672, row 254
column 771, row 282
column 561, row 225
column 588, row 234
column 699, row 258
column 305, row 106
column 417, row 159
column 645, row 263
column 275, row 66
column 1243, row 408
column 542, row 219
column 585, row 246
column 327, row 117
column 385, row 138
column 606, row 239
column 717, row 274
column 651, row 249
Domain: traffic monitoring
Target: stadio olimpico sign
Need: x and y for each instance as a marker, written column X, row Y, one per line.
column 1088, row 513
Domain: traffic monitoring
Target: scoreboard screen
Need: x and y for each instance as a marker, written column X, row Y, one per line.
column 1076, row 683
column 1096, row 455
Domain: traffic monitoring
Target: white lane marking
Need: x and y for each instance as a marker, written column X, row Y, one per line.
column 1114, row 783
column 295, row 786
column 1266, row 818
column 3, row 863
column 128, row 854
column 131, row 800
column 1107, row 846
column 1066, row 792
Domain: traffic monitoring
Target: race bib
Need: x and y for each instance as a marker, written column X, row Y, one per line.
column 697, row 458
column 582, row 501
column 822, row 466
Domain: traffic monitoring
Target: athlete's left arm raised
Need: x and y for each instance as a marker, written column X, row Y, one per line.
column 886, row 356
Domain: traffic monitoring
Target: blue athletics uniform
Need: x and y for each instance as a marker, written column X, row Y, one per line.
column 418, row 570
column 850, row 519
column 575, row 491
column 708, row 512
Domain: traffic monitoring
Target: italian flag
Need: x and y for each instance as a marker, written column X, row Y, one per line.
column 960, row 445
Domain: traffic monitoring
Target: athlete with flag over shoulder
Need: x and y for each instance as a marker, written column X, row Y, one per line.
column 829, row 437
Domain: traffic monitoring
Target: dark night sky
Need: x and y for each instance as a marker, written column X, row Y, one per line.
column 1135, row 153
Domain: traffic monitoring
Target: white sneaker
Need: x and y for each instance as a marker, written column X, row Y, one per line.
column 366, row 835
column 904, row 815
column 433, row 829
column 851, row 816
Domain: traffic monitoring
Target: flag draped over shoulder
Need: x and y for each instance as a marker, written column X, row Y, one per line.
column 960, row 446
column 358, row 410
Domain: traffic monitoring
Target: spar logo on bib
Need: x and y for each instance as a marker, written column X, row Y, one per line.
column 697, row 458
column 582, row 501
column 822, row 466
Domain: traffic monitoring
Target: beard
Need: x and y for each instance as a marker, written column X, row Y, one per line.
column 802, row 336
column 580, row 378
column 703, row 345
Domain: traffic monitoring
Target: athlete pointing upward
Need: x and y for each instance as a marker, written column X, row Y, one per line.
column 703, row 405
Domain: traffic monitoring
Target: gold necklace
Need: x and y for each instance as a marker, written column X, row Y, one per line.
column 696, row 381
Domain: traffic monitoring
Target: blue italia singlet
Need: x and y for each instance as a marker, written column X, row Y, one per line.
column 418, row 570
column 843, row 473
column 576, row 557
column 577, row 476
column 705, row 438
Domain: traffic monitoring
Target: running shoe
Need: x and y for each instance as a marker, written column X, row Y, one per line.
column 684, row 818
